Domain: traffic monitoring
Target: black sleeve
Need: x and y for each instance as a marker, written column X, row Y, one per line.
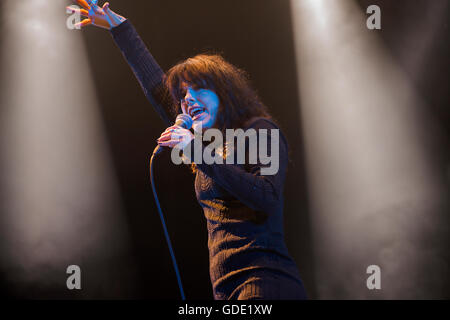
column 245, row 182
column 145, row 68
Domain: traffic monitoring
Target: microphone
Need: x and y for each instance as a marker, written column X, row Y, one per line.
column 184, row 121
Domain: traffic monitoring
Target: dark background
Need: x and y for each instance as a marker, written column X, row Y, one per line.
column 253, row 35
column 256, row 36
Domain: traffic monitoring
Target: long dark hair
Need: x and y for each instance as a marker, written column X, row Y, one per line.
column 239, row 102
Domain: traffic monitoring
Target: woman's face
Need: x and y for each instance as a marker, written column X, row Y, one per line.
column 201, row 104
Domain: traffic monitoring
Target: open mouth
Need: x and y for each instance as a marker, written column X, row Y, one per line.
column 194, row 112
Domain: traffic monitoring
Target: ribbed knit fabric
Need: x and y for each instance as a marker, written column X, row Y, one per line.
column 145, row 68
column 243, row 209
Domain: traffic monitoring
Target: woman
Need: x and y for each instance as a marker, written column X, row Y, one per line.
column 243, row 209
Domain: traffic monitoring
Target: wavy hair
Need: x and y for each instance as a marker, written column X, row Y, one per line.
column 239, row 102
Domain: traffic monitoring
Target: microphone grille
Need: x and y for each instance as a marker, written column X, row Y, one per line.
column 184, row 121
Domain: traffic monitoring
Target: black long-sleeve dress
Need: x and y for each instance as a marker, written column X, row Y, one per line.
column 243, row 209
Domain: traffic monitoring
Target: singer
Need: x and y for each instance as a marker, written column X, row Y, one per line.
column 243, row 209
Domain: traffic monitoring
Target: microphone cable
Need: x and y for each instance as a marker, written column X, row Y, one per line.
column 157, row 150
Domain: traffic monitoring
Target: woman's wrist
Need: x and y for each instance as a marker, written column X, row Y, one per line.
column 118, row 22
column 114, row 19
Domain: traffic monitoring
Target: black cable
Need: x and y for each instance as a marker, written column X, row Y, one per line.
column 157, row 150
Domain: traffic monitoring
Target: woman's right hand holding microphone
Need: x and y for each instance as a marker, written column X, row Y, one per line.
column 102, row 17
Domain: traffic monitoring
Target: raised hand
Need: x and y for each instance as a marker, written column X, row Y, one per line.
column 101, row 17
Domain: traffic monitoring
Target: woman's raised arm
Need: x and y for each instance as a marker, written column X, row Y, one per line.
column 146, row 69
